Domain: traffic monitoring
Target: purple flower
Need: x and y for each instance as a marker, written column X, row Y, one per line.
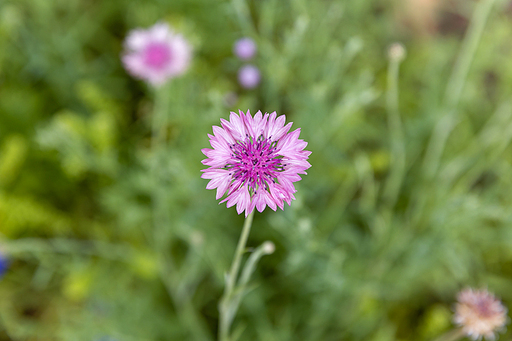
column 244, row 48
column 249, row 76
column 255, row 160
column 156, row 54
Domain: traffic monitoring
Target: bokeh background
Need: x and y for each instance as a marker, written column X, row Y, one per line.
column 408, row 199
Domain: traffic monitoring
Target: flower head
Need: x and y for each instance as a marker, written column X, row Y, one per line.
column 255, row 160
column 244, row 48
column 479, row 314
column 249, row 76
column 156, row 54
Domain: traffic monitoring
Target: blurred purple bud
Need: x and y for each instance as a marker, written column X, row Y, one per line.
column 245, row 48
column 249, row 76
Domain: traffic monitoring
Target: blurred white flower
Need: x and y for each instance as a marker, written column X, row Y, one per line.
column 479, row 314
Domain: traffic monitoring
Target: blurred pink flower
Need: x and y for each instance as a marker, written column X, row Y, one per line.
column 156, row 54
column 479, row 314
column 249, row 76
column 244, row 48
column 255, row 160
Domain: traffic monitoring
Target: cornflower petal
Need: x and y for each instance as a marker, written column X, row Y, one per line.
column 261, row 199
column 259, row 123
column 220, row 179
column 221, row 134
column 244, row 201
column 238, row 125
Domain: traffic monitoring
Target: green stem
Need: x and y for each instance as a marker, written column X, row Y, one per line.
column 224, row 308
column 247, row 271
column 162, row 219
column 396, row 132
column 158, row 146
column 244, row 15
column 68, row 246
column 456, row 86
column 469, row 45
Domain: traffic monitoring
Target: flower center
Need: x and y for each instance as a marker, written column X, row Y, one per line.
column 157, row 55
column 257, row 161
column 483, row 307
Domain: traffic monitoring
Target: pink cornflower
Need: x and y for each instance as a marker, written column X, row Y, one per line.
column 156, row 54
column 479, row 314
column 255, row 160
column 244, row 48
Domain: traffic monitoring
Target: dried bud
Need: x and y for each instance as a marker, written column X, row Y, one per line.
column 396, row 52
column 268, row 247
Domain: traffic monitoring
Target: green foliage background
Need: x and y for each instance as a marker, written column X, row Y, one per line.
column 400, row 210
